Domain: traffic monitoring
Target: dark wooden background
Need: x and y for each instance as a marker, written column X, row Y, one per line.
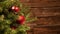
column 48, row 14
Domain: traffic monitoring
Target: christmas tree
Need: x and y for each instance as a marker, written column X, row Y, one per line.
column 14, row 17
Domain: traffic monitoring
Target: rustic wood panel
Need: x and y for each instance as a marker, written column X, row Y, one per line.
column 48, row 20
column 45, row 12
column 48, row 13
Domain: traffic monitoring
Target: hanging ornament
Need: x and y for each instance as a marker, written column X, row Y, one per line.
column 21, row 20
column 15, row 8
column 13, row 27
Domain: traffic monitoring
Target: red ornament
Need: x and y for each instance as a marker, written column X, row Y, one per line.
column 15, row 8
column 21, row 20
column 13, row 27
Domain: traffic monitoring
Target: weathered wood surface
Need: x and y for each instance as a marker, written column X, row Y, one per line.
column 48, row 13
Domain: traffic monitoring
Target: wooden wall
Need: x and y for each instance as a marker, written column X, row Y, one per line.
column 48, row 13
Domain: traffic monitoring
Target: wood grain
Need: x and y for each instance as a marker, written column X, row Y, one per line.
column 48, row 13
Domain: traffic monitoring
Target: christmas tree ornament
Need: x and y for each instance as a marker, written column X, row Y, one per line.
column 15, row 8
column 21, row 19
column 13, row 27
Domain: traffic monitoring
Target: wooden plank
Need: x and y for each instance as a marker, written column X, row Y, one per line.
column 42, row 3
column 44, row 31
column 48, row 21
column 48, row 13
column 45, row 12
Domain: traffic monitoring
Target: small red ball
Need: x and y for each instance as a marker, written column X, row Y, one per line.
column 15, row 8
column 21, row 19
column 13, row 27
